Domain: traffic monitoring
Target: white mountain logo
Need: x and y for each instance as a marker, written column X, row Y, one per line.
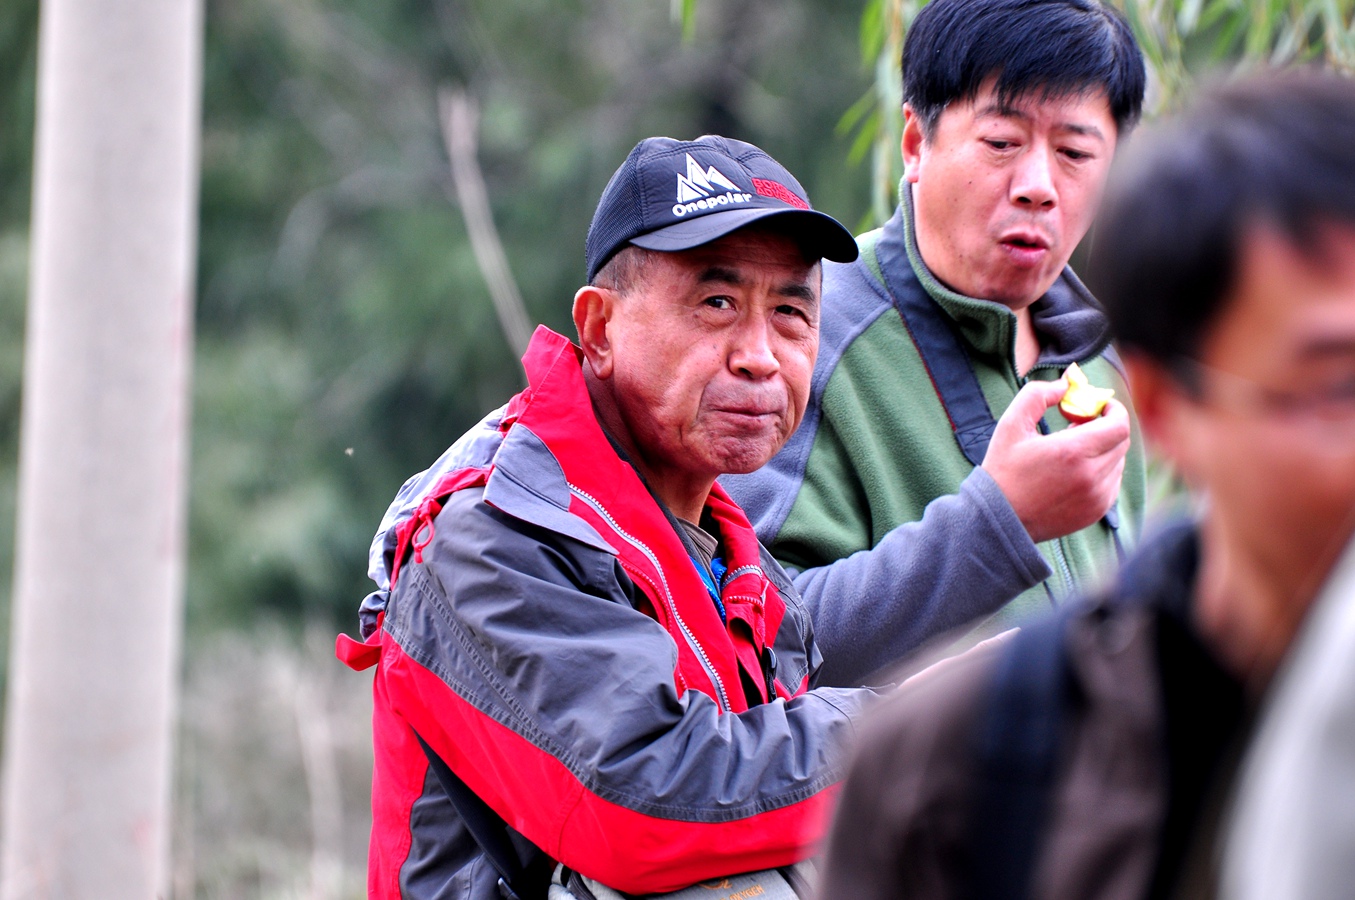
column 697, row 184
column 695, row 189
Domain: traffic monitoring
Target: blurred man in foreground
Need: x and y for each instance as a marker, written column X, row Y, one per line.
column 1093, row 755
column 583, row 654
column 926, row 488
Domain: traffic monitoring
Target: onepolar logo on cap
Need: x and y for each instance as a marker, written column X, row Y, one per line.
column 697, row 190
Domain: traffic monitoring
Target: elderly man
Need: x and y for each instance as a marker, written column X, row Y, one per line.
column 962, row 311
column 583, row 654
column 1092, row 757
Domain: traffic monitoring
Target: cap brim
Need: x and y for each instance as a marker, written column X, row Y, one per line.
column 819, row 233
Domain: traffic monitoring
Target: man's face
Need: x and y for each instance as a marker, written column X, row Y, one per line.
column 1270, row 438
column 711, row 353
column 1003, row 194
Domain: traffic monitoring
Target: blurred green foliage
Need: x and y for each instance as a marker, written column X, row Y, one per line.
column 344, row 332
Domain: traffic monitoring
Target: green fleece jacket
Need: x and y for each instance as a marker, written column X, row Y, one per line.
column 873, row 503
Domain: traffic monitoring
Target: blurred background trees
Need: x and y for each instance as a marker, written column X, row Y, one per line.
column 345, row 333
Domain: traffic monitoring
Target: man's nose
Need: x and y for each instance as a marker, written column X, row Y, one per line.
column 752, row 354
column 1033, row 180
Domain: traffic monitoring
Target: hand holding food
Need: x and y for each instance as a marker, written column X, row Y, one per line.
column 1082, row 402
column 1061, row 481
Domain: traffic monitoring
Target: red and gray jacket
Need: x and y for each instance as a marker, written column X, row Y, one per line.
column 546, row 632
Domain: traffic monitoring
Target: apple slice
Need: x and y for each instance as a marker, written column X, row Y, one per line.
column 1082, row 402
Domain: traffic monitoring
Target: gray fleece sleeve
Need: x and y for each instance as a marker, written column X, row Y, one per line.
column 967, row 557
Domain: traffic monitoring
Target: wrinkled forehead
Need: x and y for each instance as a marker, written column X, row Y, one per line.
column 756, row 255
column 769, row 242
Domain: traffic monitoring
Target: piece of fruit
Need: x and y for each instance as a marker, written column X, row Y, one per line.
column 1082, row 402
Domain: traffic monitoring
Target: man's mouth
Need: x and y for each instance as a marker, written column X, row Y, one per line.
column 746, row 403
column 750, row 411
column 1025, row 249
column 1026, row 241
column 755, row 412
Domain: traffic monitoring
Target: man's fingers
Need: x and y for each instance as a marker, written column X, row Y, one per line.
column 1060, row 482
column 1102, row 434
column 1030, row 403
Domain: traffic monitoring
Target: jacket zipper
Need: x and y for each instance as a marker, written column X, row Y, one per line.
column 723, row 699
column 1056, row 544
column 731, row 574
column 1067, row 573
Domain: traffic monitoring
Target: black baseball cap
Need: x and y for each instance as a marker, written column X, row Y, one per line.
column 675, row 195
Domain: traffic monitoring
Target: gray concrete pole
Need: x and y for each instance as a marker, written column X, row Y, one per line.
column 94, row 643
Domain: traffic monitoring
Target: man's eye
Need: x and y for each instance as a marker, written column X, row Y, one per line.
column 1076, row 155
column 998, row 144
column 718, row 302
column 1336, row 399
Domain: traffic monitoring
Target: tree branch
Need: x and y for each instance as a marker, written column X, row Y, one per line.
column 460, row 121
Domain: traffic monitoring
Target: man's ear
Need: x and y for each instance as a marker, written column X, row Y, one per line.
column 1163, row 408
column 593, row 308
column 912, row 142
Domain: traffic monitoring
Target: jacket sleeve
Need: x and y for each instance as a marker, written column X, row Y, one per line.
column 875, row 598
column 967, row 557
column 519, row 656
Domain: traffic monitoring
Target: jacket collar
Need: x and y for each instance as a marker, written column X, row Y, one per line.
column 556, row 458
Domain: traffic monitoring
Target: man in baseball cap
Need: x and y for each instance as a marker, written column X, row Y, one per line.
column 585, row 661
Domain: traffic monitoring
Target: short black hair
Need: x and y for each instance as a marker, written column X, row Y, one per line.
column 1054, row 47
column 1274, row 147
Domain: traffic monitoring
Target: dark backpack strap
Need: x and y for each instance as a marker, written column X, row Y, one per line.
column 938, row 344
column 1017, row 754
column 490, row 831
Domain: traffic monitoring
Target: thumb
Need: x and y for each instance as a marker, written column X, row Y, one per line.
column 1030, row 403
